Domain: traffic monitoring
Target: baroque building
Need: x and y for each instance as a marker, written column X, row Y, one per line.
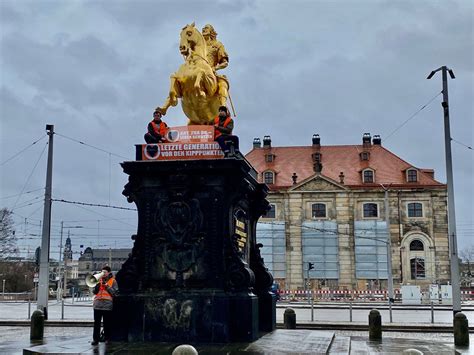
column 328, row 212
column 92, row 260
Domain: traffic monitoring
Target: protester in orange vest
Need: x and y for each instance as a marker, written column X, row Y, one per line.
column 104, row 292
column 156, row 129
column 223, row 126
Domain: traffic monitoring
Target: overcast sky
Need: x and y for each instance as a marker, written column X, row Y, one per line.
column 97, row 69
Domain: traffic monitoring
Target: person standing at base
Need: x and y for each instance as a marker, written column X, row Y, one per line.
column 223, row 126
column 156, row 129
column 104, row 291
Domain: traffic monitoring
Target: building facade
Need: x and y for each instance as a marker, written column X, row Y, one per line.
column 327, row 227
column 92, row 261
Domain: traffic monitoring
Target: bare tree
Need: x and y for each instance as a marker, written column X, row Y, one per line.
column 467, row 254
column 7, row 234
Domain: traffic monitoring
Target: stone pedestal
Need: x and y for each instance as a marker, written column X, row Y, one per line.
column 195, row 271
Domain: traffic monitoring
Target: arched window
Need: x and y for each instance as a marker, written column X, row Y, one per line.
column 268, row 177
column 370, row 210
column 318, row 210
column 417, row 268
column 416, row 245
column 368, row 176
column 415, row 209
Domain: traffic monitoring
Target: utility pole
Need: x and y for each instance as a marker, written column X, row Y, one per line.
column 43, row 289
column 110, row 257
column 453, row 245
column 389, row 248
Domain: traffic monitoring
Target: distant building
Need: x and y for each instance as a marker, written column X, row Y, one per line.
column 92, row 260
column 327, row 208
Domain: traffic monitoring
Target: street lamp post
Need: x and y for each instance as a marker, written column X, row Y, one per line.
column 389, row 247
column 453, row 248
column 3, row 288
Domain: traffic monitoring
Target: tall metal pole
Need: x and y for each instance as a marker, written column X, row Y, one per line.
column 43, row 290
column 453, row 247
column 389, row 249
column 59, row 263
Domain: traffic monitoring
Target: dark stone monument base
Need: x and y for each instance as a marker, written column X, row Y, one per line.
column 195, row 273
column 187, row 315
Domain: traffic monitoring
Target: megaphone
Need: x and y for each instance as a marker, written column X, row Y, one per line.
column 92, row 280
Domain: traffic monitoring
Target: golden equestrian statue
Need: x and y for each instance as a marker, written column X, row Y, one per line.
column 196, row 83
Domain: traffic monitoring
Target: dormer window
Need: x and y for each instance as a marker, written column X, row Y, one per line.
column 364, row 155
column 269, row 177
column 412, row 175
column 269, row 158
column 368, row 176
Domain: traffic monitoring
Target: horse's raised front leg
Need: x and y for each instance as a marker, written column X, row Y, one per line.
column 174, row 94
column 197, row 84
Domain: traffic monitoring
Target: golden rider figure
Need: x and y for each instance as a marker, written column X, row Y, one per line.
column 218, row 59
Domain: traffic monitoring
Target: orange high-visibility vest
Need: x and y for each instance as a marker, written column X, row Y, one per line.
column 103, row 294
column 218, row 133
column 161, row 129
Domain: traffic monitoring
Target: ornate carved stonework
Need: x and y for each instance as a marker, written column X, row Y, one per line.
column 195, row 271
column 318, row 184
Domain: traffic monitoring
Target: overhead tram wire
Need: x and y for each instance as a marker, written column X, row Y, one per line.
column 91, row 146
column 29, row 176
column 100, row 214
column 413, row 116
column 27, row 192
column 21, row 151
column 460, row 143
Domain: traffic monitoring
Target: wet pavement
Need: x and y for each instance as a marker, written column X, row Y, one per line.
column 83, row 311
column 76, row 340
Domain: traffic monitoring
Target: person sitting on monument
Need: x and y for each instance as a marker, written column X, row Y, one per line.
column 156, row 129
column 223, row 126
column 104, row 291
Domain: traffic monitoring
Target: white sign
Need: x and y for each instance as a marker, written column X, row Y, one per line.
column 36, row 280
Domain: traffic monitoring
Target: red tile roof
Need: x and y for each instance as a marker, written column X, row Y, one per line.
column 388, row 167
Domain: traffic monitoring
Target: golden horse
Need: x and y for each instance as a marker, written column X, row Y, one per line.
column 195, row 82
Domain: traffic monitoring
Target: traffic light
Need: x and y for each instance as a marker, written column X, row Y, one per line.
column 310, row 266
column 37, row 256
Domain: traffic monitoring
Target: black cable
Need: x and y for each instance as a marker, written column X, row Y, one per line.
column 93, row 204
column 460, row 143
column 27, row 192
column 28, row 179
column 21, row 151
column 412, row 116
column 91, row 146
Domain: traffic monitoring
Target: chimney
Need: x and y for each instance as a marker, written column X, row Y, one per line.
column 295, row 178
column 341, row 177
column 267, row 142
column 366, row 140
column 377, row 140
column 256, row 143
column 316, row 141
